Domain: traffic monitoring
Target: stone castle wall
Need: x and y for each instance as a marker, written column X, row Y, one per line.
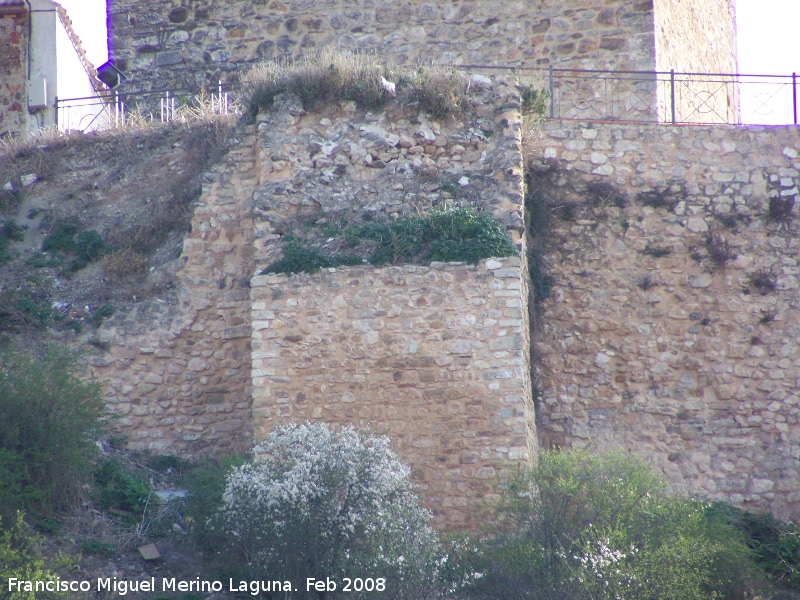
column 189, row 43
column 650, row 344
column 176, row 371
column 698, row 36
column 13, row 72
column 435, row 357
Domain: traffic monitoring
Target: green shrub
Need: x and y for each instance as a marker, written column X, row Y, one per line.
column 47, row 419
column 115, row 488
column 20, row 558
column 206, row 484
column 26, row 307
column 535, row 101
column 443, row 235
column 586, row 526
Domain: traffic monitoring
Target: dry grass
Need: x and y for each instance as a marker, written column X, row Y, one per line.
column 326, row 76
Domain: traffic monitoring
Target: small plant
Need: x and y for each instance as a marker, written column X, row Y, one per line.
column 115, row 488
column 604, row 194
column 21, row 559
column 47, row 418
column 763, row 281
column 719, row 251
column 768, row 317
column 97, row 548
column 646, row 282
column 780, row 208
column 438, row 90
column 298, row 259
column 657, row 251
column 535, row 101
column 663, row 197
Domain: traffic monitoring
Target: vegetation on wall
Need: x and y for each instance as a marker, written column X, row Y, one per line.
column 331, row 76
column 444, row 235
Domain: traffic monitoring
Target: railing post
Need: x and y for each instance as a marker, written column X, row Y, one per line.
column 794, row 96
column 552, row 95
column 672, row 93
column 56, row 117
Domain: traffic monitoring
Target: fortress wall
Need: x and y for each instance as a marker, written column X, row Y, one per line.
column 13, row 73
column 177, row 371
column 188, row 43
column 677, row 358
column 435, row 357
column 698, row 36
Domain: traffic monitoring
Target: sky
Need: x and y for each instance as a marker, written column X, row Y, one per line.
column 766, row 31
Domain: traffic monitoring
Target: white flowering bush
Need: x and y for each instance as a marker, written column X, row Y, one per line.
column 321, row 502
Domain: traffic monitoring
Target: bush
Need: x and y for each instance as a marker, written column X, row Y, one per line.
column 330, row 503
column 47, row 419
column 577, row 526
column 118, row 489
column 439, row 91
column 20, row 558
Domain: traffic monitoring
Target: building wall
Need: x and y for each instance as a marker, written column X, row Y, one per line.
column 13, row 73
column 679, row 358
column 186, row 44
column 698, row 36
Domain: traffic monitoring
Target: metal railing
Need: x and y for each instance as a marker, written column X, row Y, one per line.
column 633, row 96
column 663, row 96
column 116, row 109
column 672, row 97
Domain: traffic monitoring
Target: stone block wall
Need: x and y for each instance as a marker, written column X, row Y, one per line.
column 434, row 357
column 182, row 43
column 662, row 335
column 13, row 71
column 176, row 370
column 698, row 36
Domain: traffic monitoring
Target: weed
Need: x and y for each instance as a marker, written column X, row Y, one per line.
column 115, row 488
column 9, row 230
column 442, row 235
column 439, row 91
column 600, row 193
column 719, row 250
column 101, row 313
column 768, row 317
column 298, row 259
column 668, row 196
column 535, row 101
column 780, row 208
column 729, row 220
column 763, row 281
column 124, row 264
column 656, row 251
column 24, row 307
column 541, row 282
column 646, row 282
column 95, row 548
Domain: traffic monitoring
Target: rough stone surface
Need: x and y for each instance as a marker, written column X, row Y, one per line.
column 703, row 372
column 13, row 74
